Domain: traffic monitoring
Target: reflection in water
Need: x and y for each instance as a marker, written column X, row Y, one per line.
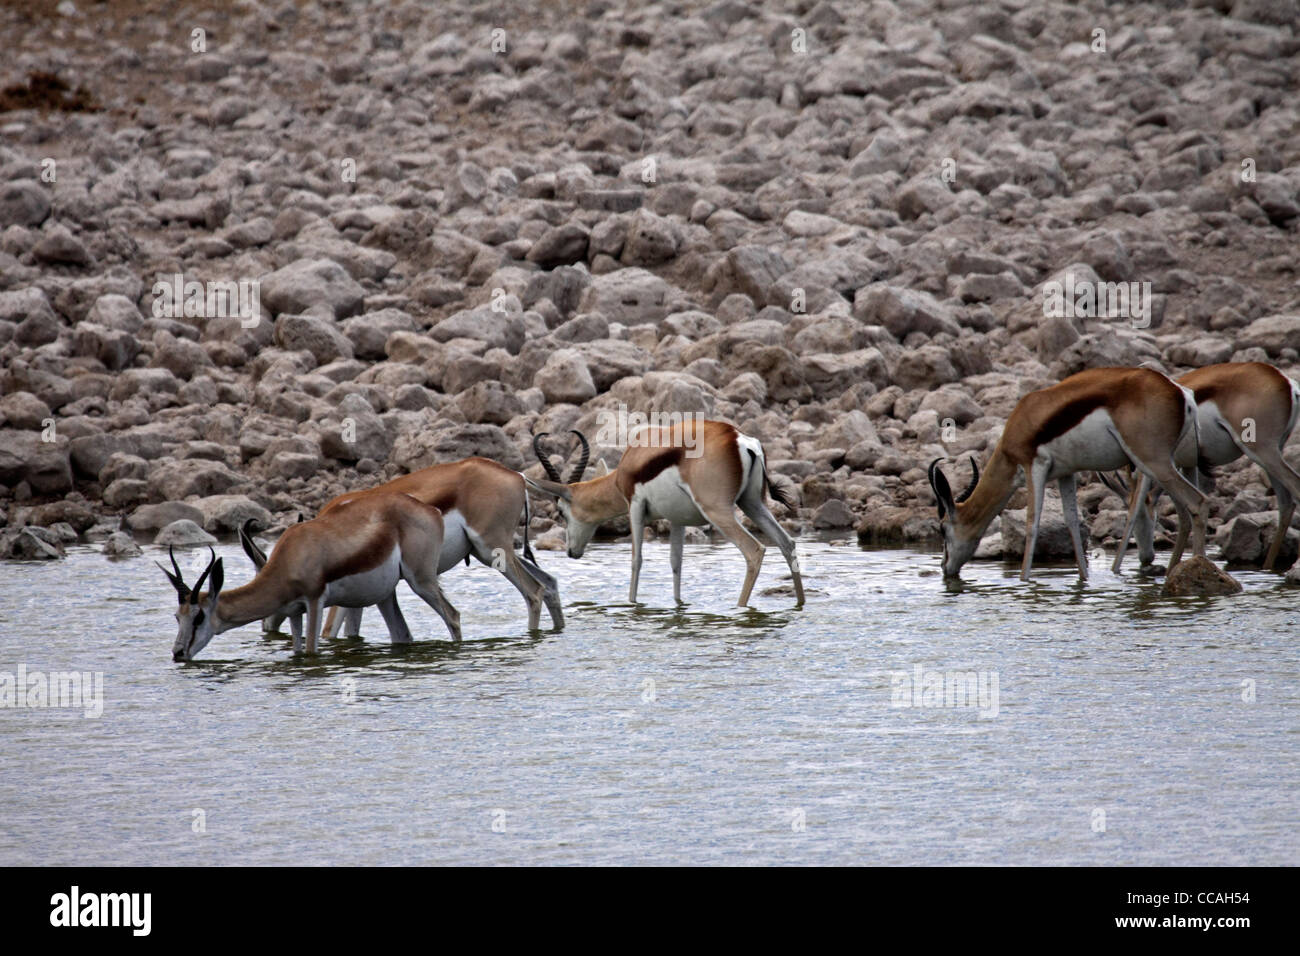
column 659, row 733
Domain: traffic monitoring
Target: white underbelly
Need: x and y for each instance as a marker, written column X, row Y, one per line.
column 1090, row 445
column 455, row 541
column 1217, row 445
column 368, row 587
column 666, row 496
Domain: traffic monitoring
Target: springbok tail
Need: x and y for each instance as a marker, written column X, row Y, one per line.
column 775, row 491
column 528, row 520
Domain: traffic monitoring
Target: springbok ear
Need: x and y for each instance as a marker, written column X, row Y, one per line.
column 218, row 578
column 942, row 490
column 555, row 489
column 602, row 469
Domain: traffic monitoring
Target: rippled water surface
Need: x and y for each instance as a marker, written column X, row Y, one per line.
column 648, row 734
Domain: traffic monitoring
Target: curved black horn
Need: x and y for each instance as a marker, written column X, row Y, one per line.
column 581, row 466
column 975, row 480
column 942, row 490
column 551, row 471
column 177, row 582
column 198, row 585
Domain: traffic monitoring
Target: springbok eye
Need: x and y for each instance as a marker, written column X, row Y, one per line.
column 198, row 619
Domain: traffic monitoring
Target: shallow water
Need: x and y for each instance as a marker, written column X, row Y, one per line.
column 647, row 734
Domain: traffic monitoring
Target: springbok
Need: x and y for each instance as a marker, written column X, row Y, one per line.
column 691, row 474
column 352, row 557
column 1242, row 408
column 482, row 502
column 1098, row 420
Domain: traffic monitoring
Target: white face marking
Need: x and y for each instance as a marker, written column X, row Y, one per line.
column 195, row 629
column 577, row 534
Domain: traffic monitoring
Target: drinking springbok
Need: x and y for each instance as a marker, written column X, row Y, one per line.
column 1242, row 408
column 482, row 502
column 1098, row 420
column 691, row 474
column 272, row 624
column 352, row 557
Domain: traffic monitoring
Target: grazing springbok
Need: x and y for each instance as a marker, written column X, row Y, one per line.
column 1098, row 420
column 691, row 474
column 352, row 557
column 1242, row 408
column 482, row 502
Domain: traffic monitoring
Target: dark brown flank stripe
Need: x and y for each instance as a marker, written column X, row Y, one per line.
column 380, row 541
column 1067, row 416
column 651, row 468
column 1211, row 390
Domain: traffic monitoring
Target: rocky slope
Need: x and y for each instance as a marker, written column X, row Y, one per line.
column 829, row 223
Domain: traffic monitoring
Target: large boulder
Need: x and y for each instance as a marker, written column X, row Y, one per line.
column 23, row 202
column 30, row 544
column 632, row 297
column 1053, row 535
column 174, row 480
column 751, row 270
column 24, row 410
column 226, row 514
column 902, row 310
column 183, row 534
column 1272, row 333
column 489, row 402
column 565, row 378
column 119, row 544
column 612, row 359
column 560, row 246
column 44, row 465
column 650, row 240
column 312, row 334
column 499, row 329
column 312, row 283
column 1198, row 577
column 421, row 448
column 356, row 433
column 156, row 517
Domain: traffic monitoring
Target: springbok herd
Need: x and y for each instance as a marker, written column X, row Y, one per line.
column 1167, row 433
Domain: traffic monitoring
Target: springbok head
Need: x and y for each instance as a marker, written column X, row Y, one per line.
column 960, row 539
column 195, row 615
column 580, row 524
